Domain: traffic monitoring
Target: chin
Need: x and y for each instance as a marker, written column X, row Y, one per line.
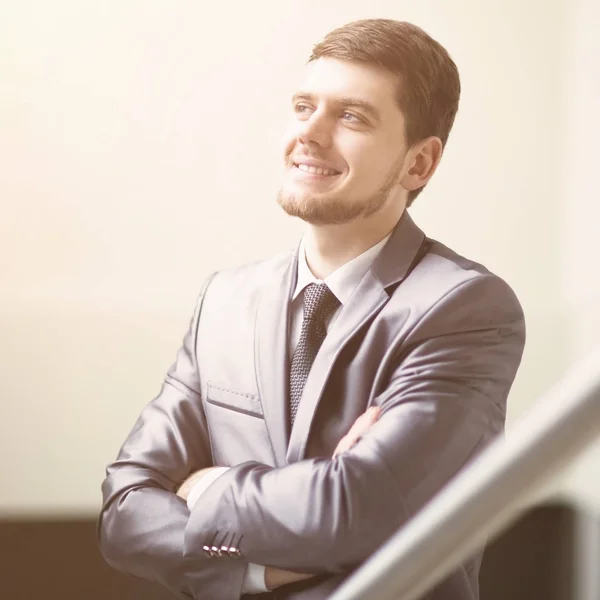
column 316, row 211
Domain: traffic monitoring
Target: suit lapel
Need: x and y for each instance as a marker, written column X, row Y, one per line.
column 390, row 267
column 271, row 353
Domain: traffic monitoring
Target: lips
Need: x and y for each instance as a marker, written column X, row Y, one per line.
column 312, row 164
column 315, row 171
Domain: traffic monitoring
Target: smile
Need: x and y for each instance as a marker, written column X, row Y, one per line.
column 305, row 170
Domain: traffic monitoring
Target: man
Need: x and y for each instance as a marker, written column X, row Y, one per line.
column 322, row 397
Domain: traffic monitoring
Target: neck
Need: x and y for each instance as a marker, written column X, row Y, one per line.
column 328, row 247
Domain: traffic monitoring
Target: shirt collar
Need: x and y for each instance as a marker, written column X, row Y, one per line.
column 344, row 279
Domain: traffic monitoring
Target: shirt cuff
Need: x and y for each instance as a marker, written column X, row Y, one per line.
column 254, row 582
column 201, row 486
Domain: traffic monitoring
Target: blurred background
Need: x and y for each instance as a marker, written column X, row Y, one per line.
column 140, row 150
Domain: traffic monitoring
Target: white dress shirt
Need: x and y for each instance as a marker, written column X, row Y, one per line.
column 342, row 283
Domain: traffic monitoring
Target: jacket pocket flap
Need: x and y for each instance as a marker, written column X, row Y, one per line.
column 239, row 401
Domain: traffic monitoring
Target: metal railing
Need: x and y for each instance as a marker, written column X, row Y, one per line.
column 487, row 495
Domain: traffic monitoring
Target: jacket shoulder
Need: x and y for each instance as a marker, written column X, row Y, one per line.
column 248, row 278
column 442, row 275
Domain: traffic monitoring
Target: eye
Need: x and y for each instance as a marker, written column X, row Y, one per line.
column 354, row 118
column 299, row 108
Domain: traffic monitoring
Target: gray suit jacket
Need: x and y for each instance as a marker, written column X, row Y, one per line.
column 431, row 337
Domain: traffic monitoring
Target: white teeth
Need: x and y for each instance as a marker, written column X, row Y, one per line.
column 315, row 170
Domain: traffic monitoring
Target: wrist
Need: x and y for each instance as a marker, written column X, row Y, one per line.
column 209, row 475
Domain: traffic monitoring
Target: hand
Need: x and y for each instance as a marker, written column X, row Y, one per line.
column 275, row 578
column 186, row 487
column 278, row 577
column 358, row 429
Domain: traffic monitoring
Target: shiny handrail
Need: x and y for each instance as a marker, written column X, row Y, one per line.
column 487, row 495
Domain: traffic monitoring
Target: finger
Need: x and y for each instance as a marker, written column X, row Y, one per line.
column 358, row 429
column 344, row 444
column 360, row 426
column 369, row 416
column 374, row 413
column 363, row 422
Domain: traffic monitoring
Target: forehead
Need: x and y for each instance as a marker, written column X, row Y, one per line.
column 331, row 79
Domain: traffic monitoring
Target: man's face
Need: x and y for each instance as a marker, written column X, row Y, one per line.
column 363, row 145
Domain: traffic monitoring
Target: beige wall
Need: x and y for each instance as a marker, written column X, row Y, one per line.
column 581, row 214
column 141, row 151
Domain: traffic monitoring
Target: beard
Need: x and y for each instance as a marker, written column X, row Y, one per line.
column 330, row 209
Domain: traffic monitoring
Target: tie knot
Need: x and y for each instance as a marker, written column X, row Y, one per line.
column 319, row 301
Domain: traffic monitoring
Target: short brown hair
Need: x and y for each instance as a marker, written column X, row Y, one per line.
column 429, row 84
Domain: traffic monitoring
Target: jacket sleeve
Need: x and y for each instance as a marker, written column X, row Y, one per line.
column 142, row 521
column 444, row 401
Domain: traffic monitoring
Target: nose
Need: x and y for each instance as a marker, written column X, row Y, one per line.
column 315, row 130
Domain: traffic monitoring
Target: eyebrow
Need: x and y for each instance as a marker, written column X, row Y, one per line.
column 345, row 100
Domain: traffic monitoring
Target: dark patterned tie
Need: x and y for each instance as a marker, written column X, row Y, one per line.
column 319, row 304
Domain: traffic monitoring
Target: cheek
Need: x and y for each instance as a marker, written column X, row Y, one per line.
column 375, row 159
column 362, row 163
column 359, row 151
column 289, row 139
column 287, row 146
column 366, row 174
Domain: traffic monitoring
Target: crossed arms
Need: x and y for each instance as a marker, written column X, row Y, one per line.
column 444, row 400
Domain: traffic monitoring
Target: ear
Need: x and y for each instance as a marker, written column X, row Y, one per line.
column 421, row 162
